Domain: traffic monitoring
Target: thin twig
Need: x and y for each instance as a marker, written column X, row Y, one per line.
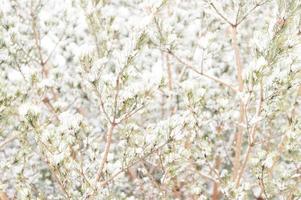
column 8, row 140
column 102, row 105
column 133, row 163
column 50, row 167
column 250, row 11
column 202, row 73
column 262, row 182
column 53, row 50
column 237, row 14
column 111, row 178
column 169, row 73
column 221, row 15
column 129, row 114
column 37, row 39
column 194, row 165
column 162, row 188
column 112, row 125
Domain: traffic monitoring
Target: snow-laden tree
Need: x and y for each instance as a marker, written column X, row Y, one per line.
column 139, row 99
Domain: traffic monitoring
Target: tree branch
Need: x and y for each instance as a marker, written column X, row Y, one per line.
column 202, row 73
column 220, row 14
column 7, row 140
column 252, row 135
column 238, row 144
column 106, row 151
column 250, row 11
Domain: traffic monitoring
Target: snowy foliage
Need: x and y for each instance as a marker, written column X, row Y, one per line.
column 140, row 99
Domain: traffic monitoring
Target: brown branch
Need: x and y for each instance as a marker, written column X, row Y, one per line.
column 114, row 122
column 218, row 162
column 262, row 183
column 252, row 136
column 112, row 125
column 3, row 196
column 216, row 193
column 239, row 134
column 106, row 151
